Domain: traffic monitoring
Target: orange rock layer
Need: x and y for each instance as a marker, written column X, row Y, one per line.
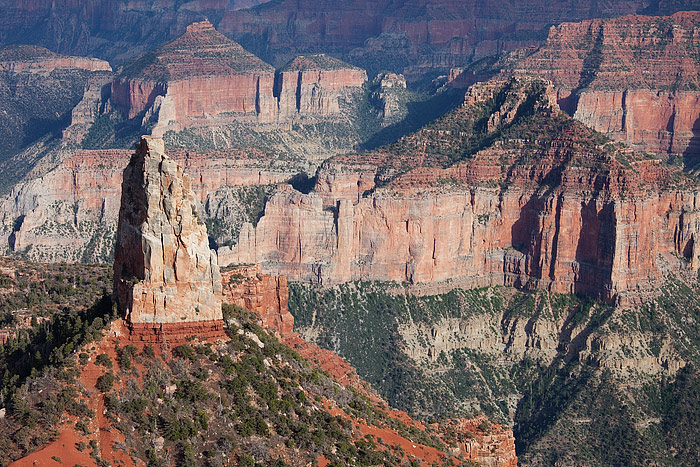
column 173, row 333
column 266, row 295
column 565, row 227
column 203, row 74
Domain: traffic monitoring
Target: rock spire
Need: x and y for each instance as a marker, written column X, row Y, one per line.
column 166, row 279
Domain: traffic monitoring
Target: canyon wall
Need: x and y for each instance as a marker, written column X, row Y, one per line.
column 70, row 212
column 634, row 78
column 311, row 85
column 166, row 279
column 203, row 75
column 566, row 242
column 546, row 206
column 38, row 91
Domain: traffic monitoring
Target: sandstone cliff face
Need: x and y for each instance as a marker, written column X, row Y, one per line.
column 634, row 78
column 200, row 73
column 69, row 211
column 266, row 295
column 166, row 279
column 560, row 214
column 311, row 85
column 204, row 78
column 28, row 59
column 492, row 448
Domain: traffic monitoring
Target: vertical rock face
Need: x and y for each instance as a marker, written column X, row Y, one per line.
column 266, row 295
column 311, row 85
column 198, row 74
column 166, row 279
column 545, row 206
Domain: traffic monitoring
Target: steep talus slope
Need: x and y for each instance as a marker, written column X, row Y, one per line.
column 504, row 190
column 634, row 78
column 584, row 383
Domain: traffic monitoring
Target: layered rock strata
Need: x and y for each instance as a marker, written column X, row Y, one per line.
column 70, row 211
column 311, row 85
column 634, row 78
column 38, row 92
column 204, row 75
column 198, row 74
column 166, row 279
column 264, row 294
column 545, row 207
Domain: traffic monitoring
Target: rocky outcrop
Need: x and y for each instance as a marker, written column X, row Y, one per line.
column 311, row 85
column 563, row 214
column 266, row 295
column 203, row 75
column 634, row 78
column 203, row 78
column 482, row 442
column 387, row 96
column 166, row 279
column 31, row 59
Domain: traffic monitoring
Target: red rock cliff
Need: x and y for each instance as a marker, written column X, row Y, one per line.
column 266, row 295
column 198, row 74
column 311, row 85
column 553, row 211
column 634, row 78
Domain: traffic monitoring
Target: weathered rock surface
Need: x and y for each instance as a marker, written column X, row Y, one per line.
column 383, row 34
column 203, row 78
column 166, row 279
column 562, row 213
column 311, row 85
column 634, row 78
column 266, row 295
column 69, row 211
column 200, row 73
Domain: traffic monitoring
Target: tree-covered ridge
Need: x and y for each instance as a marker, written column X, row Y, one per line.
column 250, row 400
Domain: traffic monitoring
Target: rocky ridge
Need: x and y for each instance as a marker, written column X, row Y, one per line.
column 504, row 190
column 166, row 279
column 408, row 37
column 634, row 78
column 38, row 91
column 476, row 439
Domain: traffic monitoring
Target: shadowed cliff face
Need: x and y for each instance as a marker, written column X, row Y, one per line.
column 38, row 91
column 495, row 192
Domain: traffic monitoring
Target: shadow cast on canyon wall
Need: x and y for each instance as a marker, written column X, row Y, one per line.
column 691, row 155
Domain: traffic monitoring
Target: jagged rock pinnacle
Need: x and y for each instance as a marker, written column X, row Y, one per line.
column 166, row 279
